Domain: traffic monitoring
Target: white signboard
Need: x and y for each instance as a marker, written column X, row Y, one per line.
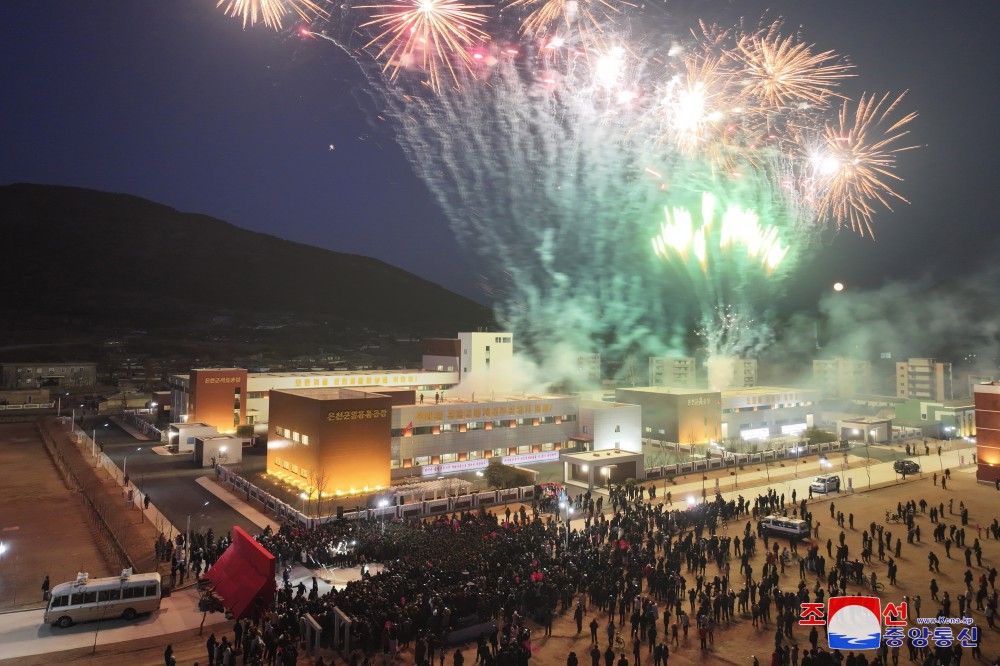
column 529, row 458
column 448, row 468
column 793, row 429
column 755, row 433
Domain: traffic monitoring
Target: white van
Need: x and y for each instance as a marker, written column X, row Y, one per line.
column 828, row 483
column 786, row 527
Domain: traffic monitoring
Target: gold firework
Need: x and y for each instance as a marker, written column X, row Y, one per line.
column 427, row 34
column 271, row 12
column 782, row 72
column 859, row 162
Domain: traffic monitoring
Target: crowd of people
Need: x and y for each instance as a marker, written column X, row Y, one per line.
column 478, row 575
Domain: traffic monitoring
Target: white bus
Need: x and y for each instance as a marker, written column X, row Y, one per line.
column 122, row 596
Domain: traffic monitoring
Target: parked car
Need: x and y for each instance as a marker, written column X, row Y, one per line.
column 828, row 483
column 906, row 467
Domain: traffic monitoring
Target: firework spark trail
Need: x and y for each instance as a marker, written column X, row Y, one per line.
column 553, row 162
column 535, row 177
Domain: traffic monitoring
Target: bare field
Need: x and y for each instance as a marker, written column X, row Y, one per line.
column 43, row 525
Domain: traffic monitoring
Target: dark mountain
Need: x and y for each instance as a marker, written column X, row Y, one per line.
column 103, row 261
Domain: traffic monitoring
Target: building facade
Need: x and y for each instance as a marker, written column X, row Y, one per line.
column 842, row 377
column 924, row 379
column 39, row 375
column 676, row 415
column 330, row 442
column 214, row 402
column 430, row 439
column 765, row 412
column 952, row 418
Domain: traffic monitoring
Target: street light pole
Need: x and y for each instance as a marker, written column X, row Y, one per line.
column 382, row 504
column 125, row 461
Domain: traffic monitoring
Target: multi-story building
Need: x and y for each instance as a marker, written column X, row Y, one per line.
column 842, row 377
column 37, row 375
column 488, row 358
column 727, row 372
column 673, row 371
column 924, row 379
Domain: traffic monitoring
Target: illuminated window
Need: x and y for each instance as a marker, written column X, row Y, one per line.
column 295, row 437
column 305, row 439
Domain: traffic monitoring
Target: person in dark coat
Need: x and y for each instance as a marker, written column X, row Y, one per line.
column 210, row 645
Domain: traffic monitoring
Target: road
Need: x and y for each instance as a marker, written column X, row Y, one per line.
column 170, row 480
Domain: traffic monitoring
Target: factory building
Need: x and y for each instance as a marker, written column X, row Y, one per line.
column 683, row 416
column 987, row 399
column 766, row 412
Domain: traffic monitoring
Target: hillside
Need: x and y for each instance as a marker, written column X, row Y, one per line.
column 94, row 261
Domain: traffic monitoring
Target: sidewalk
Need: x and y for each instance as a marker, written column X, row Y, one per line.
column 258, row 518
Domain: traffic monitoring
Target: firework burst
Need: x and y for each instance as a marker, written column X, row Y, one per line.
column 779, row 72
column 857, row 162
column 430, row 34
column 270, row 12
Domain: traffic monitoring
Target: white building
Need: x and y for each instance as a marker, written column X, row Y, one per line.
column 611, row 425
column 183, row 435
column 489, row 359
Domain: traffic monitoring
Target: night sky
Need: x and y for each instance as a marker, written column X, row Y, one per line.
column 174, row 102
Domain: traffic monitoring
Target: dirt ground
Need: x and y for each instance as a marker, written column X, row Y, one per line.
column 735, row 643
column 43, row 525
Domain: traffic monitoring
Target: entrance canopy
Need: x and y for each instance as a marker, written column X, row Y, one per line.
column 244, row 576
column 598, row 468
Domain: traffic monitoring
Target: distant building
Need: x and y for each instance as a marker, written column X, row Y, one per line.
column 589, row 368
column 729, row 372
column 38, row 375
column 675, row 371
column 842, row 377
column 987, row 401
column 924, row 379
